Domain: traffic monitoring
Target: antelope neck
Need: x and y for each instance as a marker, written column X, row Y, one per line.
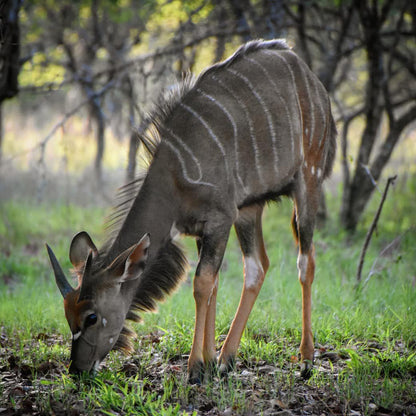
column 153, row 211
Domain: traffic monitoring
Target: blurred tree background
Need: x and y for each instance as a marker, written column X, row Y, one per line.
column 104, row 62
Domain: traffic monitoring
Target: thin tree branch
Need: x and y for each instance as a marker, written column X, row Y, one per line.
column 383, row 252
column 370, row 175
column 370, row 232
column 42, row 144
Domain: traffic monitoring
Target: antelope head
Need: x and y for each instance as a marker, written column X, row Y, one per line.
column 97, row 308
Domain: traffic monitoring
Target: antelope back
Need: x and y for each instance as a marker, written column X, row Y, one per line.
column 245, row 126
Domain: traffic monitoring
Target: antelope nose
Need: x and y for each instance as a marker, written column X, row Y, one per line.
column 74, row 370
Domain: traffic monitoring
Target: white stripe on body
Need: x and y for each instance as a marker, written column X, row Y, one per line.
column 319, row 173
column 188, row 150
column 211, row 133
column 235, row 130
column 266, row 111
column 206, row 125
column 279, row 96
column 322, row 113
column 183, row 165
column 312, row 127
column 250, row 125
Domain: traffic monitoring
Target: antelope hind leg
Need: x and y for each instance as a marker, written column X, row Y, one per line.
column 303, row 223
column 306, row 265
column 256, row 263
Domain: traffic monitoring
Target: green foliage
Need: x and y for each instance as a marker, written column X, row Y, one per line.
column 171, row 14
column 25, row 276
column 39, row 70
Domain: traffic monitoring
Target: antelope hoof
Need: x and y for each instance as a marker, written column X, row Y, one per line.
column 306, row 369
column 227, row 366
column 196, row 373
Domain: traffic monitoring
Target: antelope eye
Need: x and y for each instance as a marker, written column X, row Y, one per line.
column 90, row 320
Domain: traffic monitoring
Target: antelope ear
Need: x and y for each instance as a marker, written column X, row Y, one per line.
column 81, row 246
column 86, row 291
column 130, row 264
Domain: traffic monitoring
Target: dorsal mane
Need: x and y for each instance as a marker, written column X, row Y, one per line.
column 163, row 109
column 244, row 50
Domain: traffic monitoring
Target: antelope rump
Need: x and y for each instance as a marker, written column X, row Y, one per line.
column 248, row 130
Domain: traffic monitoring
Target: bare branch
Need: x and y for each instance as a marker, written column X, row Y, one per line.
column 42, row 144
column 370, row 175
column 391, row 246
column 390, row 181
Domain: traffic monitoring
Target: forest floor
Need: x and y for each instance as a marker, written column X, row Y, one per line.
column 255, row 387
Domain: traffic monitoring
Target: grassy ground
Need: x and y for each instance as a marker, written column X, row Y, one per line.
column 365, row 340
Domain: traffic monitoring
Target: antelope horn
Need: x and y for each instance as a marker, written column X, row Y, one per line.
column 61, row 280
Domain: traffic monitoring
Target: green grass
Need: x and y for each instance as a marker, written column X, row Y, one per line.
column 371, row 332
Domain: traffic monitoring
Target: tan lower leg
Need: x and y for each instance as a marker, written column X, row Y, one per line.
column 306, row 346
column 306, row 276
column 209, row 350
column 203, row 288
column 230, row 347
column 253, row 280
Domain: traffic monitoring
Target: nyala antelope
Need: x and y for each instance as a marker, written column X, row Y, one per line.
column 248, row 130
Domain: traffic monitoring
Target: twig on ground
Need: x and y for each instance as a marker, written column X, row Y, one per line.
column 373, row 226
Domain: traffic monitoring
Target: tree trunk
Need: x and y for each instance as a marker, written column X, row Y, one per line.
column 131, row 164
column 9, row 48
column 362, row 183
column 322, row 214
column 346, row 175
column 222, row 24
column 359, row 195
column 238, row 9
column 134, row 140
column 100, row 138
column 1, row 132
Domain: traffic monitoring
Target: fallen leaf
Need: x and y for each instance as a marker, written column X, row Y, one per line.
column 278, row 403
column 294, row 359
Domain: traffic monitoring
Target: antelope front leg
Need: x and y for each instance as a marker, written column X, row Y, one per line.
column 209, row 350
column 204, row 284
column 205, row 291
